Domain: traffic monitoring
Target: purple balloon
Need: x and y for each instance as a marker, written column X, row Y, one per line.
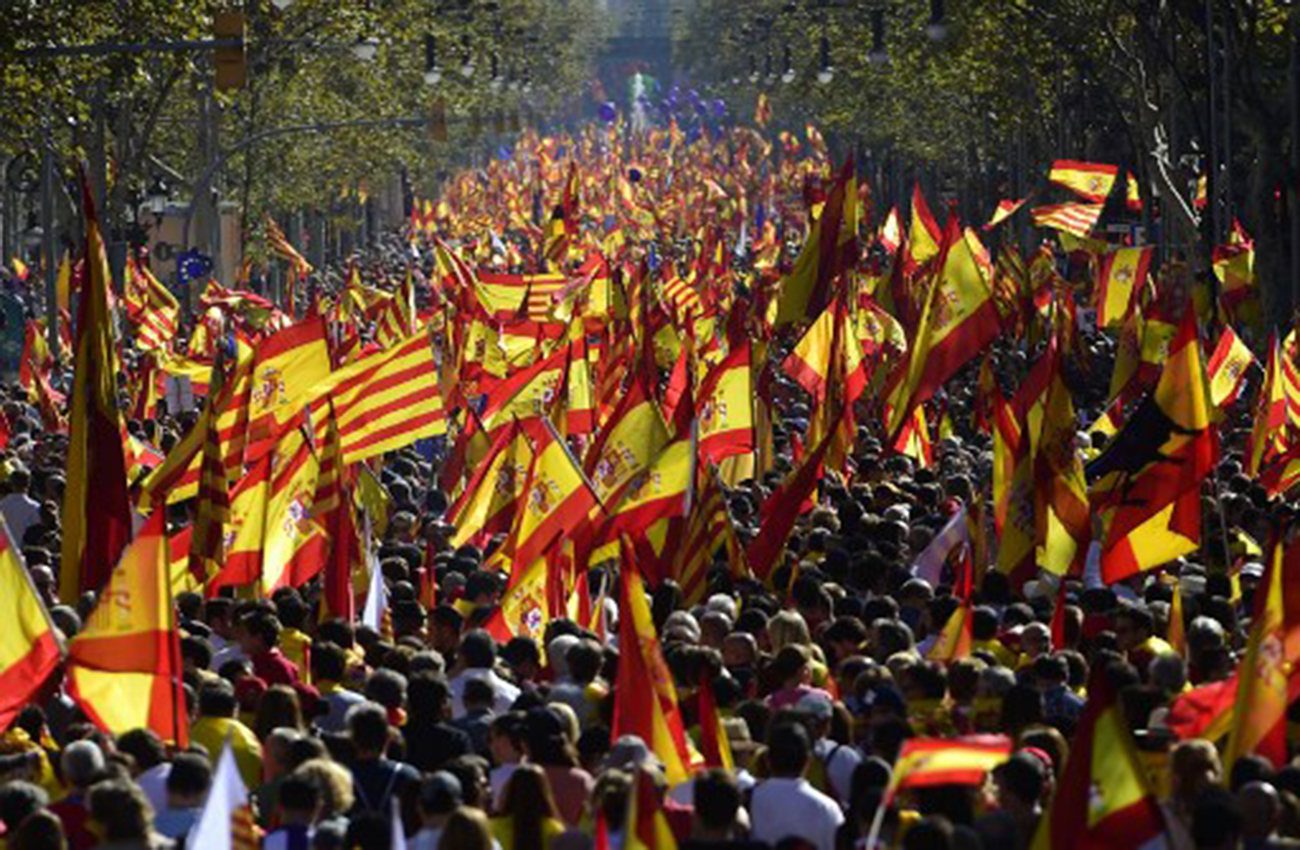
column 693, row 96
column 719, row 109
column 607, row 112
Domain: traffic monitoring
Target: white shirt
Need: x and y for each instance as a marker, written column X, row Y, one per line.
column 21, row 512
column 497, row 780
column 839, row 761
column 784, row 807
column 506, row 693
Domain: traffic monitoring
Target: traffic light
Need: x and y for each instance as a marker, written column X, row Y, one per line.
column 229, row 61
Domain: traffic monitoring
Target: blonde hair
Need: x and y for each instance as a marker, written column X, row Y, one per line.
column 466, row 829
column 334, row 781
column 786, row 628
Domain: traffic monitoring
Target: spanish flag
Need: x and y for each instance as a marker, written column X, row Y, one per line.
column 1013, row 488
column 954, row 640
column 1121, row 271
column 646, row 826
column 830, row 249
column 556, row 499
column 960, row 318
column 1090, row 180
column 1259, row 712
column 1148, row 479
column 1234, row 266
column 928, row 762
column 645, row 701
column 287, row 367
column 781, row 510
column 726, row 407
column 96, row 510
column 491, row 499
column 634, row 435
column 1227, row 368
column 661, row 491
column 124, row 668
column 31, row 649
column 924, row 237
column 1061, row 515
column 714, row 746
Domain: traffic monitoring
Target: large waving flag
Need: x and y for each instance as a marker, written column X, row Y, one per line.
column 924, row 236
column 556, row 499
column 708, row 529
column 1121, row 272
column 1234, row 266
column 726, row 407
column 96, row 511
column 384, row 401
column 1103, row 798
column 491, row 499
column 646, row 826
column 781, row 509
column 1090, row 180
column 830, row 249
column 645, row 702
column 635, row 433
column 1061, row 514
column 1259, row 713
column 960, row 318
column 1227, row 368
column 287, row 368
column 660, row 491
column 1148, row 479
column 30, row 649
column 1013, row 492
column 150, row 306
column 927, row 762
column 124, row 668
column 1074, row 219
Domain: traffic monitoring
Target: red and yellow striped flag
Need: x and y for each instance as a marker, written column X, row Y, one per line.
column 150, row 306
column 1074, row 219
column 491, row 499
column 31, row 649
column 212, row 510
column 124, row 668
column 96, row 510
column 927, row 762
column 384, row 401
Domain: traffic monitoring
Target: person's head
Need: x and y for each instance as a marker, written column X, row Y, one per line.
column 188, row 781
column 329, row 663
column 527, row 796
column 19, row 800
column 546, row 739
column 42, row 830
column 479, row 695
column 82, row 763
column 261, row 632
column 277, row 708
column 585, row 659
column 792, row 665
column 933, row 832
column 1133, row 625
column 388, row 688
column 1194, row 766
column 717, row 800
column 478, row 650
column 143, row 745
column 120, row 810
column 277, row 750
column 334, row 783
column 788, row 749
column 1020, row 781
column 369, row 730
column 466, row 829
column 1261, row 808
column 1216, row 820
column 506, row 735
column 217, row 699
column 429, row 697
column 299, row 800
column 440, row 795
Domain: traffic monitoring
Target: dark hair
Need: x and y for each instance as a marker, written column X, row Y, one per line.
column 478, row 692
column 18, row 800
column 368, row 727
column 298, row 794
column 335, row 631
column 386, row 687
column 217, row 699
column 190, row 775
column 143, row 745
column 717, row 798
column 478, row 649
column 198, row 650
column 427, row 696
column 788, row 749
column 265, row 627
column 328, row 662
column 584, row 658
column 121, row 808
column 277, row 707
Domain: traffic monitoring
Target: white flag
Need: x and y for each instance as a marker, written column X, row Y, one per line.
column 214, row 826
column 376, row 598
column 929, row 564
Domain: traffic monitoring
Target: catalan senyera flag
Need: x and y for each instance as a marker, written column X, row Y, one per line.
column 1268, row 436
column 150, row 306
column 1227, row 368
column 287, row 367
column 1074, row 219
column 96, row 509
column 927, row 762
column 1121, row 271
column 1259, row 713
column 1147, row 481
column 1103, row 798
column 960, row 318
column 645, row 702
column 491, row 499
column 124, row 668
column 924, row 237
column 708, row 529
column 726, row 407
column 1090, row 180
column 397, row 318
column 226, row 819
column 30, row 649
column 212, row 510
column 830, row 248
column 384, row 401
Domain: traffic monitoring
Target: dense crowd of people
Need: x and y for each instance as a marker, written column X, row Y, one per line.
column 819, row 675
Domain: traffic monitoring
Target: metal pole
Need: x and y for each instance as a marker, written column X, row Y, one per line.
column 51, row 270
column 1293, row 194
column 1212, row 167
